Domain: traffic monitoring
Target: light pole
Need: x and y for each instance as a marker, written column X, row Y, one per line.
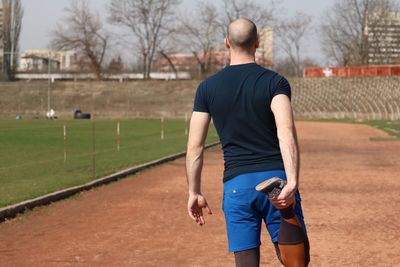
column 12, row 35
column 49, row 82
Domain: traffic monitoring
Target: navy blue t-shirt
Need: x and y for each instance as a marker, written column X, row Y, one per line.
column 238, row 98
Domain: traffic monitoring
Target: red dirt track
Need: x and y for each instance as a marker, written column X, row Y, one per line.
column 350, row 190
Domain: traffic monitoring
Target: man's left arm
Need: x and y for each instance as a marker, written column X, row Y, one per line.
column 194, row 163
column 288, row 144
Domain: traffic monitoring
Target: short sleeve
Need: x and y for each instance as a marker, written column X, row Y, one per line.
column 281, row 86
column 200, row 100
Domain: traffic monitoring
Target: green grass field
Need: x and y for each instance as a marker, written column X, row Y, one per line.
column 32, row 159
column 32, row 151
column 390, row 127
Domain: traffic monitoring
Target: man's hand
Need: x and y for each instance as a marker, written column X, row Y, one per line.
column 285, row 198
column 196, row 204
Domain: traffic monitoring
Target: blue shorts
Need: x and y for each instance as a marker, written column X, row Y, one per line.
column 245, row 208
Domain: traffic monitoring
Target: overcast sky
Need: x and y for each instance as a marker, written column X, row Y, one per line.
column 41, row 17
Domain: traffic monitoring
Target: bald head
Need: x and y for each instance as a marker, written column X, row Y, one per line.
column 242, row 34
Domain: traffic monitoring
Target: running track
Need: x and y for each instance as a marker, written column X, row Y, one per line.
column 350, row 188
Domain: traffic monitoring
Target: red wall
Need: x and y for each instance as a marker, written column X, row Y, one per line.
column 354, row 71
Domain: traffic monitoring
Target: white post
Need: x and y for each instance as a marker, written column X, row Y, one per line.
column 186, row 124
column 118, row 136
column 49, row 82
column 162, row 128
column 65, row 143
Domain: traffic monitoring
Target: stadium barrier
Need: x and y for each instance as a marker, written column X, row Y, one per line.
column 353, row 97
column 370, row 98
column 351, row 71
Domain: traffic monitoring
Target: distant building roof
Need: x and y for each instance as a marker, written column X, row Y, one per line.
column 39, row 57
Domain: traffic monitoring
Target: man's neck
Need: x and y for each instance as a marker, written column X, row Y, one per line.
column 241, row 58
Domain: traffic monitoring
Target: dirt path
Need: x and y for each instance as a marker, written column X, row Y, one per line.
column 350, row 188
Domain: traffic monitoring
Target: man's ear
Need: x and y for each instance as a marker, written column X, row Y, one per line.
column 226, row 43
column 257, row 43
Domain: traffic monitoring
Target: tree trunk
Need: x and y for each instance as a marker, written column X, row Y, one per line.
column 144, row 66
column 298, row 61
column 147, row 69
column 12, row 21
column 170, row 63
column 149, row 63
column 98, row 71
column 202, row 66
column 95, row 64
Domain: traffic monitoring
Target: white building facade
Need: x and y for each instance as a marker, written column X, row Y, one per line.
column 41, row 60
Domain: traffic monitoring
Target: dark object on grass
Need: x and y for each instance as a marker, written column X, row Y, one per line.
column 79, row 115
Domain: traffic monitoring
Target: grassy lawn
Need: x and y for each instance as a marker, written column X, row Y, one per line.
column 390, row 127
column 32, row 159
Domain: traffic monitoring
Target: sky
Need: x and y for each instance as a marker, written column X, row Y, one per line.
column 41, row 17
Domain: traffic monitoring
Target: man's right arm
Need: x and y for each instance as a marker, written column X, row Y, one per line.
column 282, row 109
column 194, row 163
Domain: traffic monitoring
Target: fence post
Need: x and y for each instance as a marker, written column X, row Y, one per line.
column 186, row 124
column 65, row 143
column 94, row 147
column 118, row 136
column 162, row 128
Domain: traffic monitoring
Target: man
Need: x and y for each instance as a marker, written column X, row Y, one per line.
column 251, row 110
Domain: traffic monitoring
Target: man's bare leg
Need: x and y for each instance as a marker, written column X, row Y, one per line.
column 292, row 241
column 293, row 246
column 248, row 258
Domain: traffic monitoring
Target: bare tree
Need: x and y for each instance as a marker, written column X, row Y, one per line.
column 200, row 35
column 345, row 29
column 12, row 24
column 261, row 15
column 82, row 30
column 170, row 62
column 292, row 33
column 285, row 66
column 149, row 21
column 116, row 65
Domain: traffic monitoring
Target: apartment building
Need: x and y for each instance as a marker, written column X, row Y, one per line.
column 383, row 35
